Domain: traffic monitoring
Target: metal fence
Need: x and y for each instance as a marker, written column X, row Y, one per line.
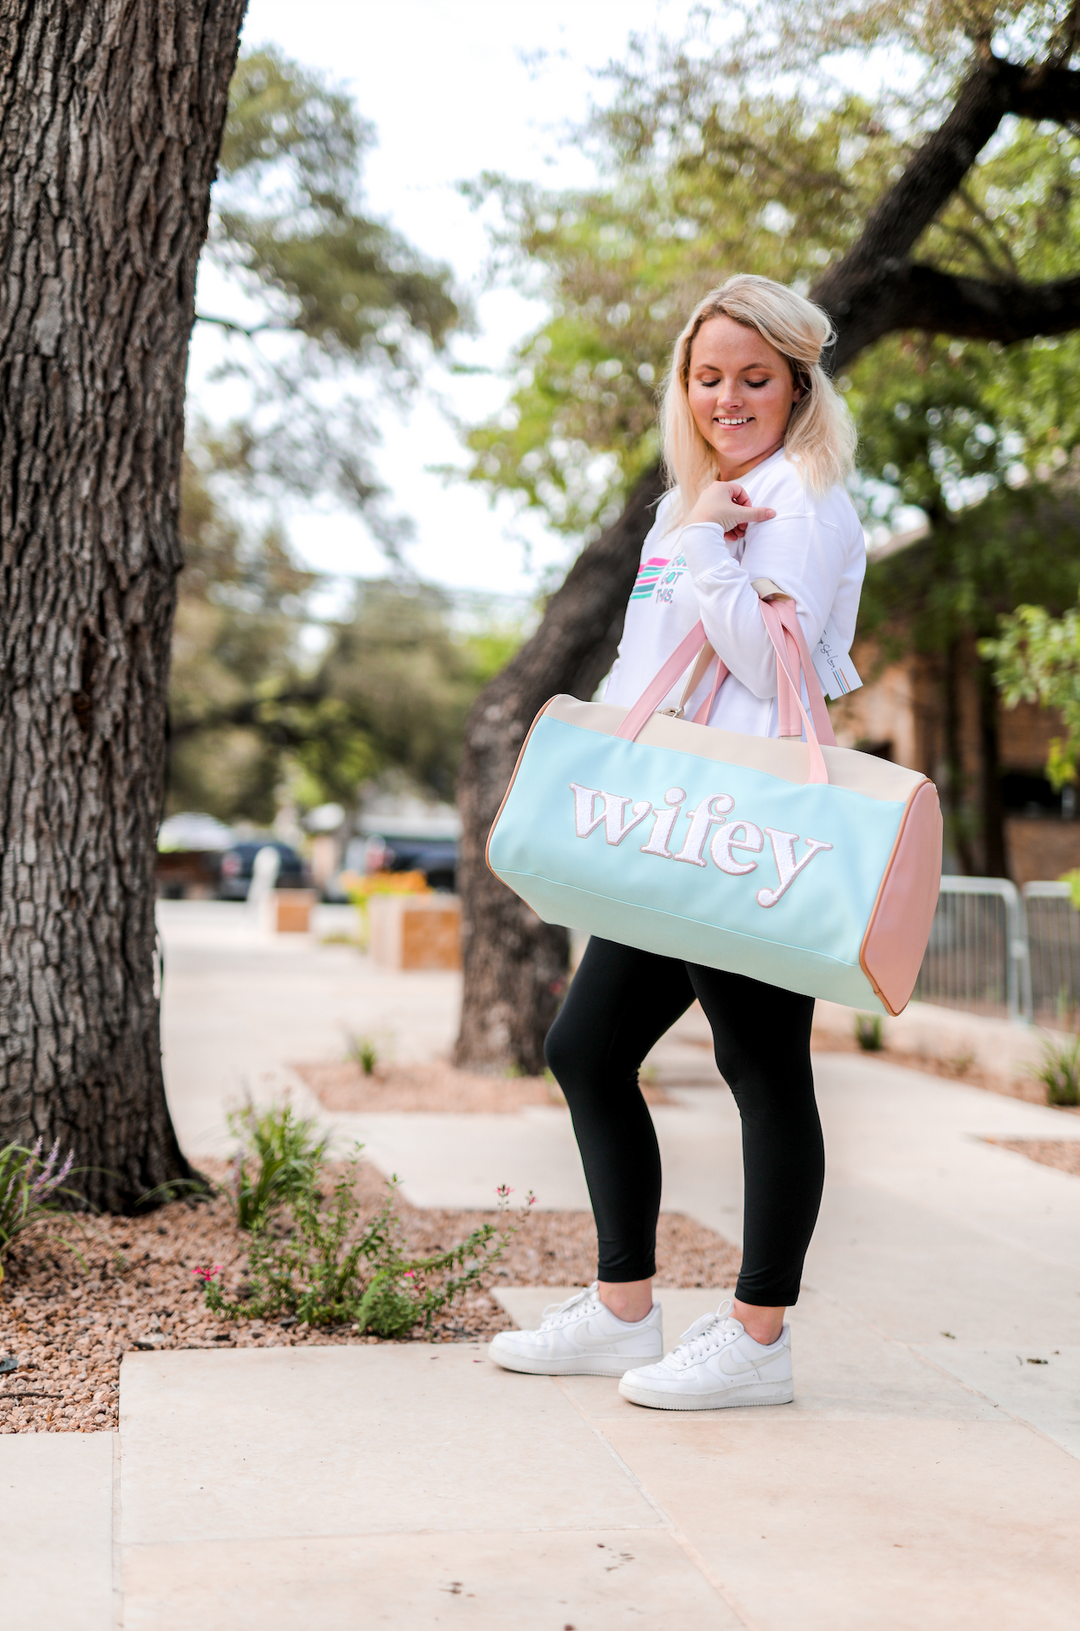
column 1012, row 954
column 1053, row 936
column 977, row 957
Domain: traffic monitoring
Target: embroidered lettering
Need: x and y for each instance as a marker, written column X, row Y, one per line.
column 660, row 837
column 726, row 840
column 616, row 825
column 619, row 816
column 787, row 868
column 707, row 814
column 613, row 815
column 585, row 822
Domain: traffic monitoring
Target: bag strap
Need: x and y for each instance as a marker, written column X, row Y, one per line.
column 799, row 657
column 779, row 633
column 792, row 665
column 657, row 689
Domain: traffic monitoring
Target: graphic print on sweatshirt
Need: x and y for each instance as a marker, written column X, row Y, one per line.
column 657, row 577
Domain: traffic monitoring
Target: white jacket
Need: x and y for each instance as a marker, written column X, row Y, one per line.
column 813, row 550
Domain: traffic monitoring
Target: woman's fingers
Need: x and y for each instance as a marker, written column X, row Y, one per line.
column 756, row 514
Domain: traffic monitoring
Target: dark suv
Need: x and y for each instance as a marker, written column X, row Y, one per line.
column 238, row 865
column 436, row 858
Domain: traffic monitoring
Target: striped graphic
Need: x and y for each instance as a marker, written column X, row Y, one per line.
column 655, row 577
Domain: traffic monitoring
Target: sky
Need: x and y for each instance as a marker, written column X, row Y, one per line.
column 453, row 87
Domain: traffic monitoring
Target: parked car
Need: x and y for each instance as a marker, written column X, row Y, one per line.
column 436, row 858
column 238, row 865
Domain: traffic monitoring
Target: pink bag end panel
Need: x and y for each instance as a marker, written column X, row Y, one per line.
column 899, row 927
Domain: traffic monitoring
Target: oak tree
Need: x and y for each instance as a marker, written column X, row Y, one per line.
column 111, row 115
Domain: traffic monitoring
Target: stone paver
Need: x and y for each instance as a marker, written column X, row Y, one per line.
column 367, row 1482
column 56, row 1560
column 382, row 1481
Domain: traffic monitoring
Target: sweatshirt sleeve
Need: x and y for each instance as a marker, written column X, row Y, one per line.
column 802, row 555
column 655, row 535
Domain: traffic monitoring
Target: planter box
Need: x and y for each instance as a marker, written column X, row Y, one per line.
column 289, row 910
column 415, row 931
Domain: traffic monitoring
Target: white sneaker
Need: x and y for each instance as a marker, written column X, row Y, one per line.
column 581, row 1337
column 715, row 1365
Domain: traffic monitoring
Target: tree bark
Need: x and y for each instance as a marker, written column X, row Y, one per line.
column 111, row 113
column 992, row 804
column 958, row 821
column 515, row 966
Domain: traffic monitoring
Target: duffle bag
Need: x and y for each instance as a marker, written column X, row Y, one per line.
column 808, row 866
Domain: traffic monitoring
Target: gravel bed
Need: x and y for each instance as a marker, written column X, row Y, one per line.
column 954, row 1070
column 69, row 1328
column 1062, row 1153
column 436, row 1085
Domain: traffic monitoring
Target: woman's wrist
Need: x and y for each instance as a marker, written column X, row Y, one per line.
column 699, row 517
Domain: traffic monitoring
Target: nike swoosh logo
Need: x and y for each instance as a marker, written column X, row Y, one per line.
column 733, row 1367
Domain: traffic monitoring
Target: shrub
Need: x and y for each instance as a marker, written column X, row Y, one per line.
column 31, row 1190
column 281, row 1152
column 1059, row 1072
column 869, row 1032
column 364, row 1052
column 319, row 1266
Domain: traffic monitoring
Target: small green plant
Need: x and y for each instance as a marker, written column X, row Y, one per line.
column 1072, row 878
column 31, row 1191
column 364, row 1052
column 279, row 1152
column 320, row 1266
column 1059, row 1072
column 869, row 1032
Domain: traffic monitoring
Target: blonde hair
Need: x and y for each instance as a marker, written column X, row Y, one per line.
column 820, row 437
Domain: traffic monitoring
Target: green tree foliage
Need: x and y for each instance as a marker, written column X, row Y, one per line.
column 1036, row 659
column 709, row 169
column 253, row 712
column 241, row 604
column 408, row 678
column 347, row 307
column 346, row 302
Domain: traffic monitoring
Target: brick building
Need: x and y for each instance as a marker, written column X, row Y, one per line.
column 907, row 710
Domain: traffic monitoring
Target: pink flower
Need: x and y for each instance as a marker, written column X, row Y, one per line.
column 206, row 1275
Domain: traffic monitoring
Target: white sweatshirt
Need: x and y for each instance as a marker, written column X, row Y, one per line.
column 813, row 550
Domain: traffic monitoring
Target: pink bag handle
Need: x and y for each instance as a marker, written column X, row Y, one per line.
column 799, row 657
column 785, row 633
column 779, row 633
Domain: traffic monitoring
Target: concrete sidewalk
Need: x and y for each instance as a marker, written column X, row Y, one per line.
column 926, row 1479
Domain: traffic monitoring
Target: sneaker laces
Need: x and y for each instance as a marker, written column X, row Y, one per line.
column 706, row 1334
column 553, row 1312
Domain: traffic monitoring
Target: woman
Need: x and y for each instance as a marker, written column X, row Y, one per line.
column 757, row 444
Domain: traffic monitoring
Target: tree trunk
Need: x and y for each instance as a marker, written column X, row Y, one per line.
column 957, row 805
column 995, row 857
column 515, row 966
column 111, row 114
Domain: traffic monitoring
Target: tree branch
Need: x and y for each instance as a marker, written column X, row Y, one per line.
column 852, row 288
column 239, row 328
column 923, row 298
column 249, row 712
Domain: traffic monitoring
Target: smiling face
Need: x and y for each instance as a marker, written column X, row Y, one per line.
column 741, row 393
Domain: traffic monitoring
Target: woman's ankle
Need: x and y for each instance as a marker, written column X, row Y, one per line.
column 628, row 1300
column 763, row 1324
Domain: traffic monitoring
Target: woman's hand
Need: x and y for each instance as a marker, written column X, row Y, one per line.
column 728, row 505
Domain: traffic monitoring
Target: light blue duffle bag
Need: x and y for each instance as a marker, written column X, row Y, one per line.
column 809, row 866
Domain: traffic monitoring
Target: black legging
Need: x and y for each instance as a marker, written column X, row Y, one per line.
column 620, row 1003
